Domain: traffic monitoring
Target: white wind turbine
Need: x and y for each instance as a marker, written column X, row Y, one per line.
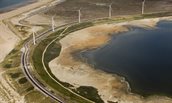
column 33, row 35
column 53, row 23
column 143, row 6
column 79, row 15
column 110, row 11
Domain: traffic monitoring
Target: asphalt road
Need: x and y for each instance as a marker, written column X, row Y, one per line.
column 25, row 66
column 26, row 63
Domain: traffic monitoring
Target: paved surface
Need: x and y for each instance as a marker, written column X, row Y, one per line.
column 26, row 67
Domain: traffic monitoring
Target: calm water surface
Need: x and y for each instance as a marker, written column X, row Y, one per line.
column 11, row 4
column 143, row 57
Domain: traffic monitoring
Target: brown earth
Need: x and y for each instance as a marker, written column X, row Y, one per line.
column 91, row 9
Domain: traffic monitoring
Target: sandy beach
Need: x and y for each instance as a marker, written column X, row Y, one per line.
column 10, row 40
column 110, row 87
column 23, row 9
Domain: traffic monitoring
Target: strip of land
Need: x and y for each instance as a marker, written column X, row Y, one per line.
column 9, row 91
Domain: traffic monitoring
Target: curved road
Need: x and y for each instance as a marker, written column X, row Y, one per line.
column 26, row 64
column 26, row 67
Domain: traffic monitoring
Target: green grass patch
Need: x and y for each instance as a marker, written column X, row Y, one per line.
column 42, row 73
column 90, row 93
column 55, row 48
column 112, row 102
column 37, row 97
column 15, row 75
column 78, row 27
column 54, row 51
column 22, row 80
column 7, row 65
column 133, row 17
column 13, row 59
column 30, row 89
column 160, row 14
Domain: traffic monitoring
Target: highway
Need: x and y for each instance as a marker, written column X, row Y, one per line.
column 26, row 67
column 25, row 63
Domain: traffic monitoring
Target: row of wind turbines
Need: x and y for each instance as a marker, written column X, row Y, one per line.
column 79, row 19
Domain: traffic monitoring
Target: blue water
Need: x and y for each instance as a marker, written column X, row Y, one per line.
column 143, row 57
column 11, row 4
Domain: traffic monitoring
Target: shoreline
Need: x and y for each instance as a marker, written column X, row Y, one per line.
column 12, row 38
column 124, row 79
column 15, row 6
column 81, row 74
column 23, row 9
column 9, row 39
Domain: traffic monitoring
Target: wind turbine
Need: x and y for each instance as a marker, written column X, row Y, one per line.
column 110, row 11
column 33, row 35
column 79, row 15
column 143, row 6
column 53, row 24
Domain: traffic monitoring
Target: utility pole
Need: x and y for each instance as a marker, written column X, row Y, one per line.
column 79, row 15
column 53, row 24
column 143, row 6
column 33, row 34
column 110, row 11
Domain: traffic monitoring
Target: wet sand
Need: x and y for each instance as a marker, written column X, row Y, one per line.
column 12, row 6
column 23, row 9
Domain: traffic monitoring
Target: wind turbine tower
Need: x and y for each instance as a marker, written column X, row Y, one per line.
column 79, row 15
column 143, row 6
column 53, row 24
column 33, row 34
column 110, row 11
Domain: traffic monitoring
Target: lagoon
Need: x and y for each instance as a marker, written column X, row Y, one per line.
column 142, row 56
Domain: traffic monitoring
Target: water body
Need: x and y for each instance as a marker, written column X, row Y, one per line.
column 6, row 5
column 143, row 57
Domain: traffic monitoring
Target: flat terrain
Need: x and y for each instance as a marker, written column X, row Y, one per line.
column 8, row 41
column 14, row 86
column 99, row 8
column 110, row 87
column 67, row 11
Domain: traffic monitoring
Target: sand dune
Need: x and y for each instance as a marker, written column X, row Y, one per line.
column 8, row 40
